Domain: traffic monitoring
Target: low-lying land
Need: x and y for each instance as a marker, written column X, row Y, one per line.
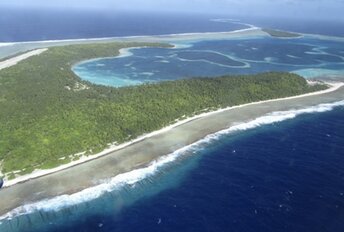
column 280, row 34
column 11, row 61
column 48, row 114
column 102, row 174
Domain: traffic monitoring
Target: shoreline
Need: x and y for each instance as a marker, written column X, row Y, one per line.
column 16, row 59
column 74, row 176
column 253, row 28
column 97, row 177
column 22, row 46
column 8, row 49
column 40, row 173
column 122, row 53
column 12, row 48
column 173, row 36
column 135, row 154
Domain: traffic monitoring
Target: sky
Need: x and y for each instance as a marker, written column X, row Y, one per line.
column 321, row 9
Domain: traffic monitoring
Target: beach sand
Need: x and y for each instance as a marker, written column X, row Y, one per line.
column 84, row 173
column 83, row 159
column 149, row 148
column 9, row 49
column 14, row 60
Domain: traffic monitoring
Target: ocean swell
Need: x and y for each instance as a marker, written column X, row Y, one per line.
column 129, row 179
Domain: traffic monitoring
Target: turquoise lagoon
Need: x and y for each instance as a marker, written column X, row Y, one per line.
column 309, row 56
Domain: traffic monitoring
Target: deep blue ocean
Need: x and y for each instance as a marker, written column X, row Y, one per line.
column 286, row 176
column 279, row 176
column 32, row 25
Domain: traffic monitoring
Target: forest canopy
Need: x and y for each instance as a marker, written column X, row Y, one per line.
column 48, row 113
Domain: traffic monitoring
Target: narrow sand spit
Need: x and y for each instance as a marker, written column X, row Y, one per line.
column 143, row 151
column 39, row 173
column 14, row 60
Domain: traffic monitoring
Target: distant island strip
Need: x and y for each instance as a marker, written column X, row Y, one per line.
column 281, row 34
column 50, row 117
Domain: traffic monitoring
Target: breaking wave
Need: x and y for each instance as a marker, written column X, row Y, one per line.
column 129, row 179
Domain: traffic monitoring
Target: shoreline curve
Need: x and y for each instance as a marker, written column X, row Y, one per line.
column 160, row 143
column 40, row 173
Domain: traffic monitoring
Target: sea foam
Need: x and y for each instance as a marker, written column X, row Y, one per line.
column 133, row 177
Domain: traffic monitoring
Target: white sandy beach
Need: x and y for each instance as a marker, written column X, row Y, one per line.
column 38, row 173
column 141, row 156
column 15, row 60
column 115, row 159
column 8, row 49
column 127, row 52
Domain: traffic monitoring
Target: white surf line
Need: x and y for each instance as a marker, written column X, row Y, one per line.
column 113, row 148
column 135, row 37
column 132, row 177
column 172, row 35
column 236, row 21
column 6, row 44
column 14, row 60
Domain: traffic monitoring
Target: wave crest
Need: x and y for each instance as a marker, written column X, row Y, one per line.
column 132, row 177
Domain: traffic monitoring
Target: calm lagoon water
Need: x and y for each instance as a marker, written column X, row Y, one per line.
column 283, row 176
column 307, row 56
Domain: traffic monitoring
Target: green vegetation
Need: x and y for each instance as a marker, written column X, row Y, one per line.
column 14, row 55
column 280, row 34
column 47, row 113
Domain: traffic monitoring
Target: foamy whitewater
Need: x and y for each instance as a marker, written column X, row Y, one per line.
column 131, row 178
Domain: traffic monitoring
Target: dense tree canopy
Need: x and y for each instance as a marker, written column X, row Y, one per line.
column 48, row 113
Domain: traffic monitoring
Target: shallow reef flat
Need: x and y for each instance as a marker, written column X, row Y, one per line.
column 8, row 49
column 142, row 153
